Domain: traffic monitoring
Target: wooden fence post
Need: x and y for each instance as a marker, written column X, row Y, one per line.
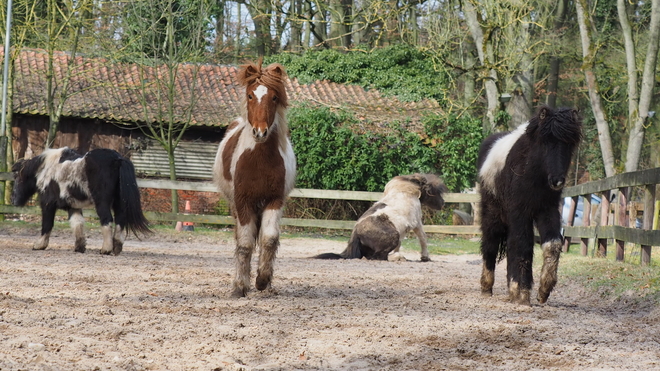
column 586, row 222
column 620, row 219
column 649, row 211
column 604, row 216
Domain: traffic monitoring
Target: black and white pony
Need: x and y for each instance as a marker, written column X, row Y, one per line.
column 380, row 230
column 521, row 176
column 66, row 180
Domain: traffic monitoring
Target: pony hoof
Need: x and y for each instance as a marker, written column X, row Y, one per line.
column 542, row 298
column 80, row 249
column 522, row 298
column 487, row 292
column 262, row 283
column 39, row 248
column 103, row 252
column 117, row 248
column 426, row 259
column 239, row 293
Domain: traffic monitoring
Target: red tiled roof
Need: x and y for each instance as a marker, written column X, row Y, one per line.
column 102, row 89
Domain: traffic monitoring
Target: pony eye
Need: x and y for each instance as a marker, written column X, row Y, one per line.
column 250, row 96
column 275, row 99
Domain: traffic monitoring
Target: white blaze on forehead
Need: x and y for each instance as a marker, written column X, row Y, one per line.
column 497, row 155
column 259, row 92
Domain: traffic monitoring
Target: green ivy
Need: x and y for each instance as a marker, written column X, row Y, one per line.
column 332, row 155
column 400, row 70
column 457, row 140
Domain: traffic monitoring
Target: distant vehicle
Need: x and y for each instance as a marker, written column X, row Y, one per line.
column 595, row 202
column 577, row 222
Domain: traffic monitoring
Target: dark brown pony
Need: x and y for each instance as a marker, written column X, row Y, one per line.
column 255, row 169
column 521, row 176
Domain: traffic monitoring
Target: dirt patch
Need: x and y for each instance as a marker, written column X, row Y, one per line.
column 164, row 304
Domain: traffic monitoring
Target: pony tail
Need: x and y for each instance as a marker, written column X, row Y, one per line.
column 353, row 249
column 129, row 194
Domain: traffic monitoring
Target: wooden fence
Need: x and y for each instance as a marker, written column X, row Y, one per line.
column 297, row 192
column 617, row 221
column 614, row 220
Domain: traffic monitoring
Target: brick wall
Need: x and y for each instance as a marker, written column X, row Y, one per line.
column 160, row 200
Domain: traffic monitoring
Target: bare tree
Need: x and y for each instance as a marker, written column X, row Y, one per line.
column 588, row 54
column 164, row 37
column 639, row 103
column 485, row 52
column 64, row 23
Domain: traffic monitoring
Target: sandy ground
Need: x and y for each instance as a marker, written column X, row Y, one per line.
column 164, row 304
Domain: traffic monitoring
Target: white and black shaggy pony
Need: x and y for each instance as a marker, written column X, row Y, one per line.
column 379, row 231
column 521, row 177
column 66, row 180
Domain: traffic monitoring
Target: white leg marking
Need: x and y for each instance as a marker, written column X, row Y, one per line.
column 77, row 223
column 106, row 230
column 268, row 244
column 421, row 236
column 245, row 242
column 270, row 225
column 42, row 242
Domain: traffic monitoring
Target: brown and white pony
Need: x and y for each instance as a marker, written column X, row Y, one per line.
column 255, row 169
column 378, row 233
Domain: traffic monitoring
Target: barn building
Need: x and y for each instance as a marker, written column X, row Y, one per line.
column 107, row 102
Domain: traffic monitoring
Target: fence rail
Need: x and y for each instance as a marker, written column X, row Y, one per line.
column 613, row 223
column 616, row 221
column 295, row 222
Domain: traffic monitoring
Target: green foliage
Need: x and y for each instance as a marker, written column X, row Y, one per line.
column 457, row 140
column 401, row 70
column 331, row 155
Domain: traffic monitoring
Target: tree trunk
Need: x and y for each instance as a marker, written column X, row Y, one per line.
column 636, row 138
column 220, row 27
column 524, row 78
column 295, row 20
column 320, row 24
column 174, row 194
column 553, row 81
column 584, row 21
column 555, row 61
column 340, row 11
column 484, row 51
column 260, row 13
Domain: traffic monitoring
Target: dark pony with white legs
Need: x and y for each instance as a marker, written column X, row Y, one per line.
column 521, row 176
column 66, row 180
column 255, row 169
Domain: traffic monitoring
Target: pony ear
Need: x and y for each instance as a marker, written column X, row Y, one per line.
column 277, row 70
column 575, row 114
column 250, row 70
column 18, row 165
column 543, row 113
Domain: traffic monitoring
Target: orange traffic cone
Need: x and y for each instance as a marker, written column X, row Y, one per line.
column 188, row 226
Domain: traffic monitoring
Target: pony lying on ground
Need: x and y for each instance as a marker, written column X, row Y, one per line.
column 379, row 231
column 66, row 180
column 521, row 176
column 255, row 169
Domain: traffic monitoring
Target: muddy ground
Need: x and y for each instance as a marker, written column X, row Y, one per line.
column 164, row 304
